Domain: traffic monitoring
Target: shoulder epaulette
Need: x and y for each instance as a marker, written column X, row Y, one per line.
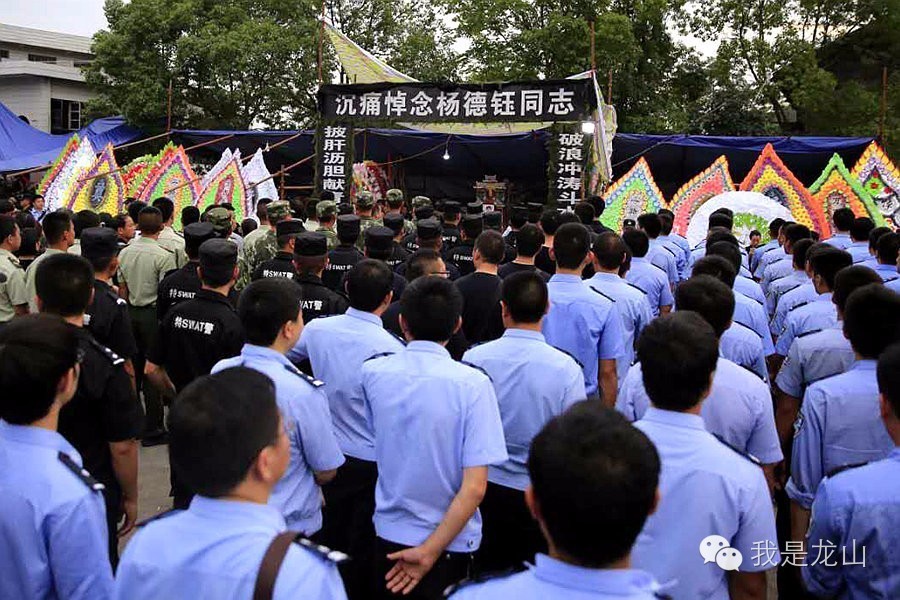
column 698, row 246
column 399, row 339
column 798, row 305
column 659, row 267
column 379, row 355
column 806, row 333
column 476, row 367
column 791, row 289
column 114, row 358
column 843, row 468
column 157, row 517
column 596, row 291
column 635, row 287
column 744, row 325
column 322, row 551
column 767, row 250
column 570, row 355
column 751, row 298
column 750, row 370
column 894, row 278
column 481, row 579
column 746, row 455
column 316, row 383
column 80, row 473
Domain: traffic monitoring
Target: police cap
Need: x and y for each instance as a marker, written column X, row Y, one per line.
column 394, row 222
column 493, row 220
column 218, row 256
column 289, row 227
column 451, row 207
column 424, row 212
column 379, row 238
column 348, row 226
column 474, row 208
column 195, row 234
column 311, row 243
column 99, row 242
column 428, row 229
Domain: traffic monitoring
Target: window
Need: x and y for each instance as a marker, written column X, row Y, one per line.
column 42, row 58
column 82, row 63
column 65, row 115
column 4, row 54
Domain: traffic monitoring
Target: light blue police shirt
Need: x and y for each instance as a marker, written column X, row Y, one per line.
column 550, row 579
column 706, row 488
column 214, row 550
column 748, row 287
column 752, row 314
column 738, row 409
column 585, row 324
column 768, row 257
column 682, row 251
column 814, row 356
column 433, row 417
column 52, row 520
column 859, row 251
column 839, row 425
column 839, row 241
column 651, row 280
column 820, row 313
column 857, row 508
column 664, row 258
column 534, row 382
column 779, row 287
column 893, row 285
column 743, row 346
column 776, row 270
column 337, row 347
column 633, row 307
column 801, row 295
column 887, row 273
column 758, row 254
column 304, row 408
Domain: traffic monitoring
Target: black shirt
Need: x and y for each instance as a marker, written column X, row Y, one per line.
column 398, row 255
column 513, row 267
column 282, row 265
column 108, row 321
column 340, row 260
column 543, row 261
column 598, row 228
column 409, row 243
column 451, row 268
column 457, row 345
column 461, row 256
column 195, row 335
column 318, row 300
column 450, row 236
column 482, row 320
column 510, row 238
column 179, row 285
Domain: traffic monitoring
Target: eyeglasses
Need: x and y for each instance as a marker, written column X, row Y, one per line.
column 443, row 274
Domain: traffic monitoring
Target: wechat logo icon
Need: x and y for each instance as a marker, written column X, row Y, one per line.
column 715, row 548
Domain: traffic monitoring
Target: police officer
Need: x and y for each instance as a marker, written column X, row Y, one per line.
column 184, row 283
column 796, row 278
column 771, row 245
column 337, row 347
column 13, row 294
column 107, row 316
column 270, row 312
column 678, row 355
column 450, row 234
column 422, row 213
column 364, row 208
column 380, row 246
column 646, row 276
column 59, row 232
column 859, row 238
column 517, row 364
column 311, row 260
column 888, row 251
column 282, row 264
column 104, row 419
column 170, row 239
column 805, row 292
column 843, row 221
column 659, row 253
column 395, row 222
column 262, row 216
column 326, row 210
column 461, row 254
column 437, row 428
column 263, row 247
column 142, row 265
column 584, row 452
column 217, row 546
column 342, row 258
column 394, row 200
column 52, row 523
column 861, row 504
column 428, row 237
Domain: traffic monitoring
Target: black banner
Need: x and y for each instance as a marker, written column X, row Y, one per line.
column 535, row 101
column 569, row 149
column 334, row 153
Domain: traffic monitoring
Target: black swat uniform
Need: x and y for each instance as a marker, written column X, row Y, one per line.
column 461, row 254
column 282, row 264
column 398, row 254
column 379, row 245
column 318, row 299
column 428, row 231
column 103, row 410
column 342, row 258
column 107, row 316
column 450, row 233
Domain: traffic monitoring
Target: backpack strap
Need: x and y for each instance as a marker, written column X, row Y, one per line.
column 271, row 563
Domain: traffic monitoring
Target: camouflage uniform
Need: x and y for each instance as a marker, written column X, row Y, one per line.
column 326, row 208
column 262, row 248
column 395, row 204
column 365, row 201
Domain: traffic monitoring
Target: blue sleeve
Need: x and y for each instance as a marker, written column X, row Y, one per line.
column 759, row 365
column 78, row 549
column 820, row 579
column 761, row 327
column 573, row 387
column 757, row 522
column 320, row 447
column 632, row 401
column 763, row 442
column 665, row 295
column 790, row 377
column 610, row 345
column 483, row 440
column 807, row 465
column 303, row 575
column 787, row 337
column 300, row 352
column 644, row 316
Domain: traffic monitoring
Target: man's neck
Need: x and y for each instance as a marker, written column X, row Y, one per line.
column 6, row 247
column 599, row 269
column 249, row 491
column 103, row 276
column 487, row 268
column 280, row 346
column 76, row 320
column 562, row 556
column 561, row 271
column 50, row 422
column 222, row 290
column 524, row 260
column 62, row 246
column 525, row 326
column 149, row 236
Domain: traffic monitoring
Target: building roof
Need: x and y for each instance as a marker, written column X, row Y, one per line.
column 9, row 68
column 38, row 38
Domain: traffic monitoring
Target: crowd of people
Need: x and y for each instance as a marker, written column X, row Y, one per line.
column 436, row 399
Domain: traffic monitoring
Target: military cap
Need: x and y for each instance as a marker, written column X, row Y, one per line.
column 394, row 197
column 365, row 199
column 311, row 243
column 379, row 238
column 451, row 208
column 419, row 201
column 218, row 256
column 279, row 209
column 348, row 225
column 424, row 212
column 537, row 207
column 99, row 242
column 428, row 229
column 628, row 223
column 474, row 208
column 344, row 209
column 394, row 222
column 220, row 218
column 493, row 220
column 195, row 234
column 289, row 227
column 326, row 208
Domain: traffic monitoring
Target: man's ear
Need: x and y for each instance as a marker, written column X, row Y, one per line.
column 532, row 504
column 458, row 325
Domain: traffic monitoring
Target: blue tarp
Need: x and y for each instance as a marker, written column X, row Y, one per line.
column 23, row 147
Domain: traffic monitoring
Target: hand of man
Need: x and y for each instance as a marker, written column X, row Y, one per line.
column 411, row 566
column 129, row 512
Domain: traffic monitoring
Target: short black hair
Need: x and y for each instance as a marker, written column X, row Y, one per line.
column 755, row 233
column 724, row 210
column 796, row 232
column 678, row 354
column 849, row 280
column 667, row 221
column 25, row 220
column 85, row 219
column 64, row 283
column 651, row 224
column 889, row 377
column 248, row 225
column 431, row 307
column 872, row 320
column 35, row 352
column 800, row 250
column 585, row 212
column 518, row 218
column 472, row 228
column 165, row 206
column 529, row 240
column 875, row 235
column 368, row 282
column 134, row 209
column 7, row 227
column 718, row 234
column 418, row 264
column 888, row 248
column 843, row 219
column 261, row 205
column 598, row 203
column 150, row 221
column 218, row 426
column 718, row 219
column 571, row 245
column 189, row 214
column 265, row 306
column 55, row 225
column 775, row 226
column 729, row 252
column 491, row 247
column 708, row 297
column 525, row 295
column 827, row 263
column 637, row 241
column 860, row 229
column 567, row 216
column 717, row 267
column 594, row 477
column 549, row 221
column 610, row 250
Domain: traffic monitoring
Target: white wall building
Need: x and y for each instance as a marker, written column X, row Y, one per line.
column 41, row 79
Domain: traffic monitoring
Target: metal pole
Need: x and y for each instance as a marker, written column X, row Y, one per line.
column 169, row 108
column 321, row 40
column 884, row 86
column 593, row 49
column 281, row 184
column 609, row 88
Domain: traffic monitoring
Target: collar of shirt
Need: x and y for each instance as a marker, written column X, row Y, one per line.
column 284, row 255
column 864, row 365
column 364, row 316
column 524, row 334
column 429, row 347
column 12, row 257
column 826, row 297
column 639, row 260
column 309, row 278
column 609, row 277
column 261, row 352
column 144, row 240
column 676, row 419
column 211, row 296
column 570, row 279
column 895, row 454
column 886, row 268
column 609, row 581
column 37, row 436
column 230, row 511
column 859, row 245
